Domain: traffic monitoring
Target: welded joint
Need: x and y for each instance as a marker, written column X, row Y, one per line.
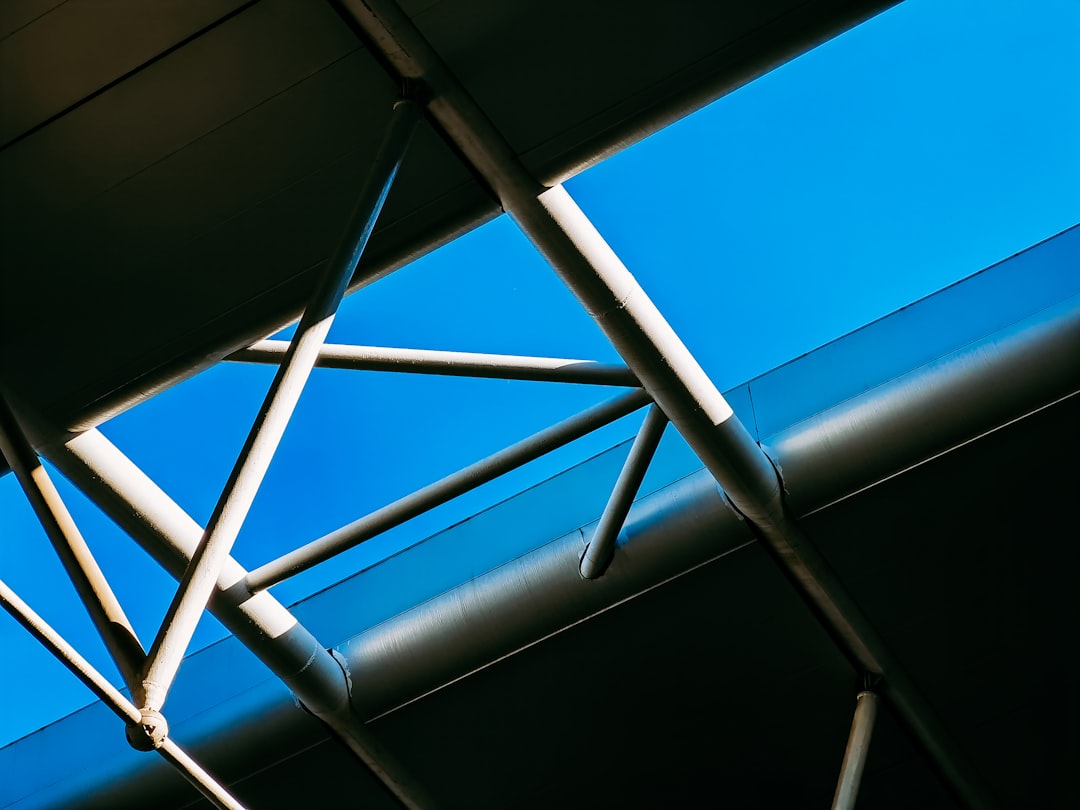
column 780, row 506
column 145, row 731
column 343, row 662
column 730, row 504
column 591, row 568
column 415, row 91
column 150, row 733
column 197, row 585
column 775, row 465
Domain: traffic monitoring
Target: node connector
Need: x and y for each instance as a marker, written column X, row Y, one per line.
column 150, row 733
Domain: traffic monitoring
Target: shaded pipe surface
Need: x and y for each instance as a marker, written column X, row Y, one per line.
column 509, row 608
column 667, row 533
column 169, row 535
column 601, row 546
column 857, row 751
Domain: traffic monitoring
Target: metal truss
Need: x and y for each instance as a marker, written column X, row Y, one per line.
column 663, row 373
column 149, row 675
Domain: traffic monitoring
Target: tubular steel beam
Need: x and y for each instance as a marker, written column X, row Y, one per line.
column 170, row 536
column 668, row 371
column 113, row 698
column 860, row 440
column 973, row 391
column 858, row 747
column 440, row 492
column 454, row 364
column 601, row 549
column 197, row 584
column 90, row 583
column 197, row 776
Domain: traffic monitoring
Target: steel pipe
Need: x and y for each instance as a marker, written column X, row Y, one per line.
column 858, row 748
column 68, row 656
column 454, row 364
column 687, row 523
column 197, row 776
column 601, row 548
column 667, row 370
column 989, row 383
column 169, row 535
column 451, row 633
column 90, row 583
column 440, row 492
column 197, row 584
column 496, row 613
column 112, row 697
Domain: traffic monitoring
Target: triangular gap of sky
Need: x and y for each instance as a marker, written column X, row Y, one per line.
column 926, row 144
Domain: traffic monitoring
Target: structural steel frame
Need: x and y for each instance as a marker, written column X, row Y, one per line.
column 663, row 373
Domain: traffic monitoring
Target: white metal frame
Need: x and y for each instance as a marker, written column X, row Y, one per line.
column 660, row 369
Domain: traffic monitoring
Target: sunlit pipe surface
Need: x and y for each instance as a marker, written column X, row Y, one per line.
column 90, row 583
column 111, row 697
column 913, row 416
column 169, row 535
column 440, row 492
column 453, row 364
column 667, row 370
column 858, row 748
column 197, row 585
column 688, row 523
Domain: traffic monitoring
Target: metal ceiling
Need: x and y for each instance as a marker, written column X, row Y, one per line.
column 172, row 187
column 172, row 183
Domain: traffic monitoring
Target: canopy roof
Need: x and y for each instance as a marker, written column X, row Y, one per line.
column 172, row 183
column 172, row 187
column 932, row 467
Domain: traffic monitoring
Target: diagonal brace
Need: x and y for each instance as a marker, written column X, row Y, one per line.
column 601, row 549
column 261, row 623
column 197, row 584
column 440, row 492
column 592, row 271
column 113, row 698
column 450, row 364
column 858, row 747
column 90, row 583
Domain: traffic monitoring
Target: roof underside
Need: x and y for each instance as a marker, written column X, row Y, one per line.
column 713, row 681
column 171, row 182
column 170, row 186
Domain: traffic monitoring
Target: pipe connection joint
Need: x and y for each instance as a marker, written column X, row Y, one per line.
column 150, row 733
column 593, row 564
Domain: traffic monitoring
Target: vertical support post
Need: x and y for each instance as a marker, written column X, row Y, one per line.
column 858, row 747
column 90, row 583
column 601, row 549
column 112, row 698
column 197, row 585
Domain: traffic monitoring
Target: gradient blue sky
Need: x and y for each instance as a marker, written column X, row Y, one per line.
column 934, row 140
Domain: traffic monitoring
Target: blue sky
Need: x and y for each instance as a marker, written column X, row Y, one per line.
column 934, row 140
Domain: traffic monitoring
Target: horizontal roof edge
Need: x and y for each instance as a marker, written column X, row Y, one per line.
column 385, row 663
